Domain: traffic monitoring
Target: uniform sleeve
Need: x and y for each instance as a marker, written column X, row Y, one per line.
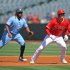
column 25, row 24
column 47, row 31
column 48, row 27
column 69, row 28
column 9, row 22
column 66, row 33
column 50, row 24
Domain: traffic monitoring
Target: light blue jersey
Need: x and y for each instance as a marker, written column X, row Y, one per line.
column 14, row 25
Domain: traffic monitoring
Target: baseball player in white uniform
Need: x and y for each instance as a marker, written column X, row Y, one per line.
column 54, row 30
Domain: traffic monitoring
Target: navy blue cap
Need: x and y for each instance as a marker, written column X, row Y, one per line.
column 19, row 10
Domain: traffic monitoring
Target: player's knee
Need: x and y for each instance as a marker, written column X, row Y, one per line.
column 64, row 46
column 1, row 44
column 41, row 47
column 43, row 43
column 22, row 43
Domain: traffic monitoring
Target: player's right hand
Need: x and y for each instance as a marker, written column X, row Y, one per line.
column 53, row 37
column 65, row 38
column 10, row 35
column 31, row 33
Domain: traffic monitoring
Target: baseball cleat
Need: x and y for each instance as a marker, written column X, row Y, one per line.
column 32, row 62
column 64, row 61
column 22, row 59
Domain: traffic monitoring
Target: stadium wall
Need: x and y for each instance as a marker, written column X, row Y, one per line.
column 2, row 26
column 38, row 29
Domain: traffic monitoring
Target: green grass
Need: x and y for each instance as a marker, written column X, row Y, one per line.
column 13, row 49
column 37, row 68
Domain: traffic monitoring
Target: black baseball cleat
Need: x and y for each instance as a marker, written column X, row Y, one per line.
column 22, row 59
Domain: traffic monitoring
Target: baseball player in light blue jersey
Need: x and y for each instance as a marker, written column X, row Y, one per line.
column 12, row 28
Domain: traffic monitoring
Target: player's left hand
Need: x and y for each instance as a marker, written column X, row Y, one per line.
column 31, row 33
column 65, row 38
column 53, row 37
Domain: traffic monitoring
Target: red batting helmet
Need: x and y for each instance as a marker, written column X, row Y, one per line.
column 60, row 12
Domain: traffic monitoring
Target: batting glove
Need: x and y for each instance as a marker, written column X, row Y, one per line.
column 65, row 38
column 53, row 37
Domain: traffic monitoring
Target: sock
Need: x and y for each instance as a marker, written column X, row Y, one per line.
column 63, row 52
column 22, row 48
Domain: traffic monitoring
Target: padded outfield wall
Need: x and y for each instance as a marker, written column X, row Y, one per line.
column 38, row 29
